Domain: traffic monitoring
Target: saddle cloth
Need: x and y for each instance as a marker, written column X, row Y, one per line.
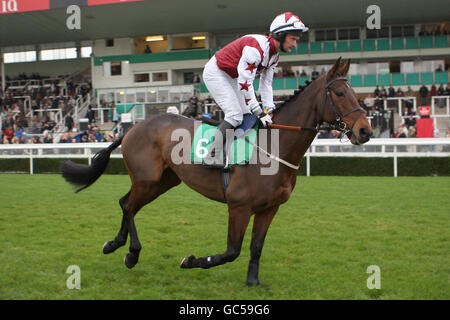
column 242, row 151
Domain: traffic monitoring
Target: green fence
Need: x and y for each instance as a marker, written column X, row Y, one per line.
column 367, row 80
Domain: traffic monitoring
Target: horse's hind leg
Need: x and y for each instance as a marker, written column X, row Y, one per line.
column 237, row 224
column 142, row 193
column 121, row 238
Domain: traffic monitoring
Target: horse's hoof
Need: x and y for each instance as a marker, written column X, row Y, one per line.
column 109, row 247
column 256, row 283
column 187, row 262
column 130, row 261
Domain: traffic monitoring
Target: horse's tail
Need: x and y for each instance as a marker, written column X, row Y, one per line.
column 82, row 175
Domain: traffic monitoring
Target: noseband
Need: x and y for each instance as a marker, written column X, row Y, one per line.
column 340, row 124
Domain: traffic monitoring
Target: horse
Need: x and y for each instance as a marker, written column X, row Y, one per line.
column 147, row 149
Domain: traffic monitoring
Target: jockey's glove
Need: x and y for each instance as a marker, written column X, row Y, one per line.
column 258, row 111
column 265, row 119
column 269, row 109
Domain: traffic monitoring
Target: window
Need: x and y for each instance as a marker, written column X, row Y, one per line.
column 163, row 95
column 160, row 76
column 396, row 31
column 320, row 35
column 331, row 35
column 304, row 37
column 116, row 68
column 24, row 56
column 188, row 77
column 58, row 54
column 151, row 96
column 109, row 43
column 86, row 52
column 354, row 34
column 377, row 33
column 141, row 77
column 343, row 34
column 408, row 31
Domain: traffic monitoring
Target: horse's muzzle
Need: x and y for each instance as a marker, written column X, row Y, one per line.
column 364, row 135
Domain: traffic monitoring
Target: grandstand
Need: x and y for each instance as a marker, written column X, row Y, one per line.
column 142, row 57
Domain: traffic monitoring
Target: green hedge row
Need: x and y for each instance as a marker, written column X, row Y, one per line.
column 320, row 166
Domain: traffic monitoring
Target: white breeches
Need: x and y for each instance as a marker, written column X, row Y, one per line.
column 225, row 91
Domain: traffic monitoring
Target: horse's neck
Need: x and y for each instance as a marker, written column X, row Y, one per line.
column 301, row 111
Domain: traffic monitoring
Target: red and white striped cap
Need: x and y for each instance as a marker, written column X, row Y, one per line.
column 287, row 22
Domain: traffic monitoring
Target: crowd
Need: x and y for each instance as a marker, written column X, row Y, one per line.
column 18, row 124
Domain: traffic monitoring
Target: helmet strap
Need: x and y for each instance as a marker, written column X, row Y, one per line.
column 281, row 36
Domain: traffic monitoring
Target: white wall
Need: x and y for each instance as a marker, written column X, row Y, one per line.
column 127, row 80
column 48, row 68
column 121, row 46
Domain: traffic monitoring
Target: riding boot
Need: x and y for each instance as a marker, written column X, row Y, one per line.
column 213, row 159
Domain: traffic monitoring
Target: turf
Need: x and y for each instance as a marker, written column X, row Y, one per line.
column 318, row 247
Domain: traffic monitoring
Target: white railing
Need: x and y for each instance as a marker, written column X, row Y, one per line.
column 440, row 101
column 400, row 101
column 375, row 148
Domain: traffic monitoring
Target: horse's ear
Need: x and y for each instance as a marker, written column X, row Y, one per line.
column 332, row 72
column 344, row 69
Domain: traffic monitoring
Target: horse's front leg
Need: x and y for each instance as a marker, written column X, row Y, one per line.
column 261, row 224
column 237, row 224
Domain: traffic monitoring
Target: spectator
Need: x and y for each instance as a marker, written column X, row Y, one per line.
column 391, row 94
column 90, row 114
column 65, row 138
column 412, row 132
column 376, row 92
column 147, row 49
column 433, row 91
column 402, row 132
column 436, row 132
column 441, row 92
column 314, row 74
column 423, row 91
column 410, row 121
column 69, row 122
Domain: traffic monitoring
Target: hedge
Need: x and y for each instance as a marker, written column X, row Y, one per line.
column 320, row 166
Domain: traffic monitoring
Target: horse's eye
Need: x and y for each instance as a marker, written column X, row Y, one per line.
column 339, row 94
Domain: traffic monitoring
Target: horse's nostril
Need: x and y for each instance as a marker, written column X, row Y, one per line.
column 364, row 133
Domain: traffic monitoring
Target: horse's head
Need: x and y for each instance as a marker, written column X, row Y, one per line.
column 342, row 107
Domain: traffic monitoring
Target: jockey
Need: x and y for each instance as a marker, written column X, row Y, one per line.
column 229, row 76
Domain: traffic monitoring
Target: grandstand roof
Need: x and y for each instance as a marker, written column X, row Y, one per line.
column 181, row 16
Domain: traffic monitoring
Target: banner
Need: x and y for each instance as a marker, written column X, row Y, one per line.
column 425, row 128
column 16, row 6
column 98, row 2
column 13, row 6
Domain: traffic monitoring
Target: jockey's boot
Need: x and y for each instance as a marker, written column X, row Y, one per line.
column 213, row 158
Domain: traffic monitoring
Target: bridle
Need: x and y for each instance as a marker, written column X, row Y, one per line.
column 340, row 124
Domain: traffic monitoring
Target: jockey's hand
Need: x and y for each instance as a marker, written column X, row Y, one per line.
column 266, row 119
column 269, row 109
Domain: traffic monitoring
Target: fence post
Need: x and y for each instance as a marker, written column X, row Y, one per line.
column 308, row 166
column 31, row 163
column 395, row 167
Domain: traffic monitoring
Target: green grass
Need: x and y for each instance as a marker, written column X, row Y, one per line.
column 318, row 247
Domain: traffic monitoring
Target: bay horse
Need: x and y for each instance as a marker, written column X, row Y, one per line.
column 147, row 147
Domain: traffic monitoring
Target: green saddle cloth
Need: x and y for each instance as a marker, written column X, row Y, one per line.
column 242, row 151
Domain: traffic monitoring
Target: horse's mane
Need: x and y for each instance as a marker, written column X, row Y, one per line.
column 294, row 96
